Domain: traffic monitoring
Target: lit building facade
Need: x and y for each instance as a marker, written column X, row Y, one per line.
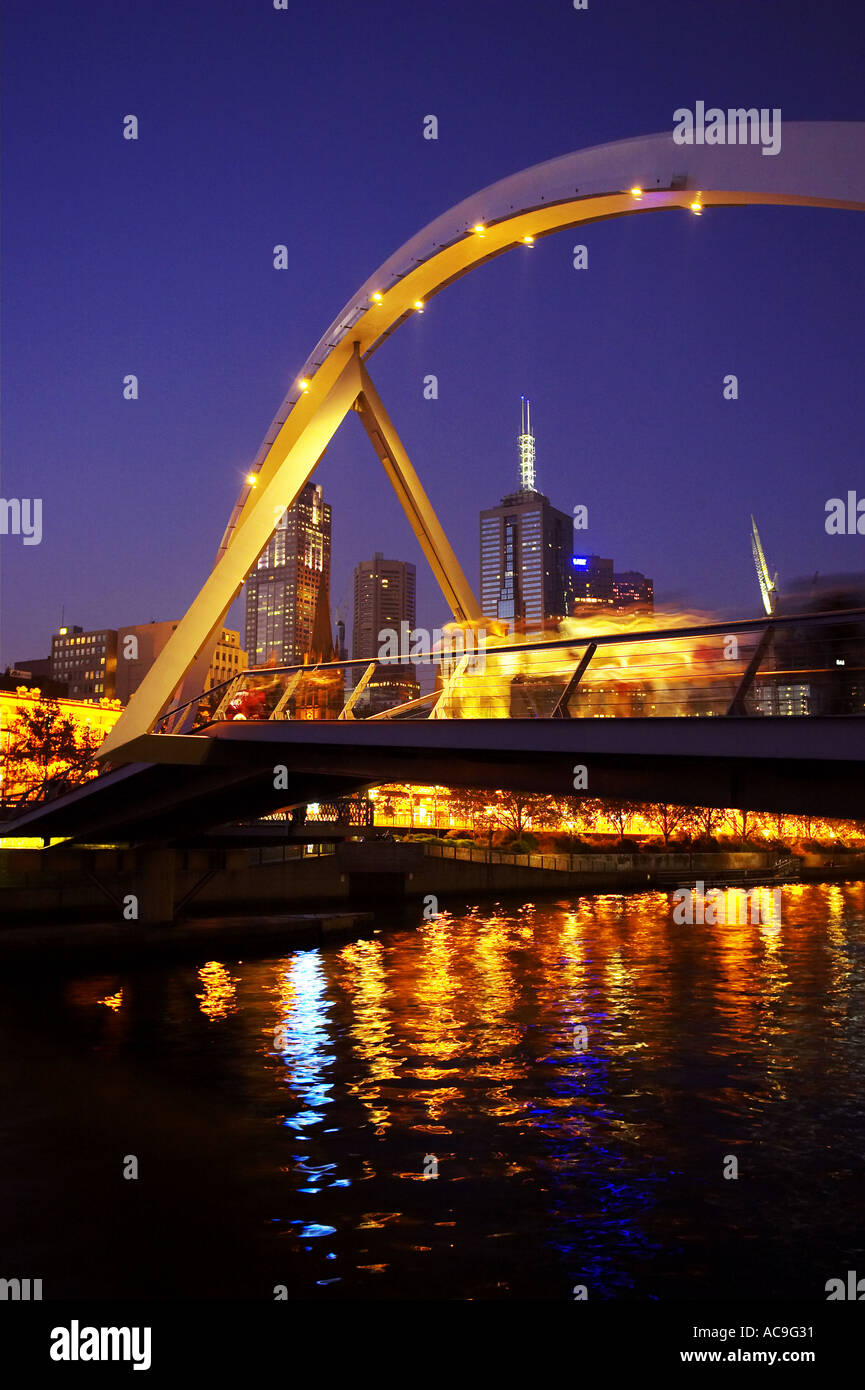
column 595, row 584
column 85, row 662
column 84, row 714
column 633, row 590
column 592, row 582
column 283, row 591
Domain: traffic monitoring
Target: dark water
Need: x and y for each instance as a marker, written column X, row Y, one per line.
column 283, row 1112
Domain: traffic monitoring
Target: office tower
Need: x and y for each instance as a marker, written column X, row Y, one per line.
column 384, row 598
column 633, row 590
column 595, row 584
column 85, row 662
column 282, row 592
column 592, row 583
column 112, row 663
column 526, row 549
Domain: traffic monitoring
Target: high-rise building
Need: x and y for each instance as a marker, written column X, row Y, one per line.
column 526, row 549
column 111, row 664
column 85, row 662
column 596, row 584
column 384, row 598
column 633, row 590
column 592, row 582
column 282, row 592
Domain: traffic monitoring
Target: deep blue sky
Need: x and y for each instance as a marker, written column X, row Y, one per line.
column 305, row 127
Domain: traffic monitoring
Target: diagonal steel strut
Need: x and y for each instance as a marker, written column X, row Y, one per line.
column 186, row 656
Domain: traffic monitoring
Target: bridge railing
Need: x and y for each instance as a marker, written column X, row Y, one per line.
column 355, row 811
column 798, row 664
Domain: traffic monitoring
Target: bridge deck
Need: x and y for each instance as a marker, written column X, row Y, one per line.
column 226, row 773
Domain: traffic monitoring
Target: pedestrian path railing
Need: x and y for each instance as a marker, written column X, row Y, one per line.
column 798, row 664
column 664, row 869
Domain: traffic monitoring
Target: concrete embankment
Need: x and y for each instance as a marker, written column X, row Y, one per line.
column 64, row 885
column 76, row 906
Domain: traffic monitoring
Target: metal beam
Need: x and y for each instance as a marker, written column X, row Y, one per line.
column 449, row 685
column 416, row 505
column 205, row 615
column 290, row 687
column 227, row 697
column 562, row 709
column 185, row 648
column 347, row 711
column 737, row 704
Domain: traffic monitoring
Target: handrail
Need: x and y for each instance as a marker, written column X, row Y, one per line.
column 611, row 639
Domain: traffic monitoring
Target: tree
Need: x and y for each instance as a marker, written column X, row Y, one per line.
column 469, row 806
column 621, row 813
column 742, row 822
column 707, row 819
column 806, row 827
column 780, row 823
column 46, row 752
column 578, row 814
column 513, row 810
column 667, row 818
column 851, row 831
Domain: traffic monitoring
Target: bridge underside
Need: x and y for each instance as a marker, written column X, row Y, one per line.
column 227, row 773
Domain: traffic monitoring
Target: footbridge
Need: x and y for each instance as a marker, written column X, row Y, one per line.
column 777, row 727
column 760, row 713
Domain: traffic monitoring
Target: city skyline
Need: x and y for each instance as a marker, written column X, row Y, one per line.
column 630, row 407
column 300, row 547
column 297, row 558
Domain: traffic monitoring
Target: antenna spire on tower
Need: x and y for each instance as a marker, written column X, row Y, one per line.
column 526, row 441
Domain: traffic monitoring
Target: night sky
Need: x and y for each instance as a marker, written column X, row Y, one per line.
column 260, row 127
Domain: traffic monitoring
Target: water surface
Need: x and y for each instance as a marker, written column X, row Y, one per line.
column 578, row 1073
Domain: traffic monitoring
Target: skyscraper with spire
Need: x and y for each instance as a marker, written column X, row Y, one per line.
column 526, row 548
column 526, row 442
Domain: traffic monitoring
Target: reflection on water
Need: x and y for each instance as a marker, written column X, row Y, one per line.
column 217, row 999
column 576, row 1073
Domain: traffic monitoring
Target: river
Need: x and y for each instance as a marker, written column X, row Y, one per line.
column 519, row 1101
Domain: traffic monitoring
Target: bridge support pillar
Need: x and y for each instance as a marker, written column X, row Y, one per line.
column 154, row 886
